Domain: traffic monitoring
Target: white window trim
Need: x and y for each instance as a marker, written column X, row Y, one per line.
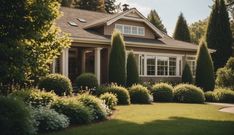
column 123, row 25
column 145, row 54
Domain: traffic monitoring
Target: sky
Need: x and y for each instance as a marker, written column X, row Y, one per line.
column 169, row 10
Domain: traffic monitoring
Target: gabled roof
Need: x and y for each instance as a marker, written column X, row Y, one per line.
column 111, row 19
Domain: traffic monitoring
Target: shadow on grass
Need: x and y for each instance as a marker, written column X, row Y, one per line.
column 173, row 126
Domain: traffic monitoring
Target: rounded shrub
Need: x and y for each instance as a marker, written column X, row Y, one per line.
column 162, row 92
column 211, row 96
column 74, row 110
column 224, row 95
column 86, row 81
column 186, row 93
column 58, row 83
column 15, row 118
column 49, row 120
column 109, row 99
column 35, row 97
column 96, row 106
column 121, row 93
column 139, row 94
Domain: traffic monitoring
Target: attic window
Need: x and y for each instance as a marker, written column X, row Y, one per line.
column 72, row 23
column 82, row 20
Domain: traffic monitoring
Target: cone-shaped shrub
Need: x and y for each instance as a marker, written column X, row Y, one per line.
column 132, row 71
column 205, row 70
column 117, row 65
column 187, row 76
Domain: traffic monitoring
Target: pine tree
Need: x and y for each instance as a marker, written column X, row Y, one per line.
column 187, row 76
column 92, row 5
column 132, row 70
column 117, row 65
column 204, row 70
column 181, row 30
column 110, row 6
column 154, row 18
column 218, row 34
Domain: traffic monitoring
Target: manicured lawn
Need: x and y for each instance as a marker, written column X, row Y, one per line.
column 161, row 119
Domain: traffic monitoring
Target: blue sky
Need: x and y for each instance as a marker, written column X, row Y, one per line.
column 169, row 10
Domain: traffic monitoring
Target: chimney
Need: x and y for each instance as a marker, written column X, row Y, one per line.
column 125, row 7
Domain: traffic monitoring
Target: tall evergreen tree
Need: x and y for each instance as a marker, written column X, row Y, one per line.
column 110, row 6
column 154, row 18
column 187, row 76
column 181, row 30
column 93, row 5
column 218, row 34
column 117, row 62
column 132, row 70
column 205, row 69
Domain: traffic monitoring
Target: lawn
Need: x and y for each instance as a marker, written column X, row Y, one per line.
column 160, row 119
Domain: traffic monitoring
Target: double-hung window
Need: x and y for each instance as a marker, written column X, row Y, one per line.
column 151, row 65
column 162, row 66
column 130, row 30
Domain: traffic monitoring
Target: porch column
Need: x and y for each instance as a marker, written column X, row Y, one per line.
column 83, row 60
column 97, row 65
column 65, row 62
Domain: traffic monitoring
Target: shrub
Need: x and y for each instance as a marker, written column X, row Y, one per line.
column 225, row 95
column 132, row 70
column 49, row 120
column 139, row 94
column 204, row 70
column 15, row 118
column 60, row 84
column 162, row 92
column 109, row 99
column 117, row 64
column 87, row 81
column 96, row 106
column 121, row 93
column 225, row 76
column 211, row 96
column 187, row 93
column 74, row 110
column 35, row 97
column 187, row 76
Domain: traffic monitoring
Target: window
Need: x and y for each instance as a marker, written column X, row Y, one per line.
column 162, row 66
column 72, row 23
column 151, row 66
column 130, row 30
column 172, row 66
column 82, row 20
column 192, row 63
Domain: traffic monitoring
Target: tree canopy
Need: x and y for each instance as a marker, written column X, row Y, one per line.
column 154, row 18
column 197, row 30
column 181, row 30
column 93, row 5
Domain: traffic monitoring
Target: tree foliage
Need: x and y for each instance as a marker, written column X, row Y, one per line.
column 110, row 6
column 93, row 5
column 197, row 30
column 181, row 30
column 218, row 34
column 31, row 41
column 66, row 3
column 117, row 62
column 156, row 21
column 204, row 70
column 187, row 76
column 132, row 70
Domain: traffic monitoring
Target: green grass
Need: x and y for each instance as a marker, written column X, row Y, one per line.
column 161, row 119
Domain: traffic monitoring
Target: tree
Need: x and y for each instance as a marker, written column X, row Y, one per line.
column 205, row 69
column 218, row 34
column 132, row 70
column 93, row 5
column 31, row 41
column 110, row 6
column 187, row 76
column 154, row 18
column 117, row 65
column 181, row 30
column 197, row 31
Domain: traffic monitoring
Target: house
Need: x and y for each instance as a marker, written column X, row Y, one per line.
column 159, row 56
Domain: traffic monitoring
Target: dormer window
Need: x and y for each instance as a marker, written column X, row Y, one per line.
column 130, row 30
